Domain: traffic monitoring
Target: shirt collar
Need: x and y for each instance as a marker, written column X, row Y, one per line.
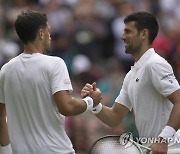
column 27, row 55
column 144, row 58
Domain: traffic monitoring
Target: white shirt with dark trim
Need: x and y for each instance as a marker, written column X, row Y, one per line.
column 27, row 85
column 145, row 90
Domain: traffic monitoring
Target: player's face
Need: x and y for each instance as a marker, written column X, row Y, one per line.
column 47, row 39
column 131, row 38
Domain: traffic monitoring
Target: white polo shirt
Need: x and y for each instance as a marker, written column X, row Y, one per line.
column 145, row 89
column 27, row 84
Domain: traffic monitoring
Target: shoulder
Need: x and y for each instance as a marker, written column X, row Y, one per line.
column 156, row 62
column 127, row 78
column 53, row 64
column 52, row 59
column 9, row 64
column 49, row 62
column 157, row 65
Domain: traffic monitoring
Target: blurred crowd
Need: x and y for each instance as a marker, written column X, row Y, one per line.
column 87, row 35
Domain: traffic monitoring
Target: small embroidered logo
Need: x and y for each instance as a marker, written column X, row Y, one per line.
column 137, row 79
column 171, row 81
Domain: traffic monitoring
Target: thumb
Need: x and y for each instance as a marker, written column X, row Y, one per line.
column 149, row 151
column 94, row 86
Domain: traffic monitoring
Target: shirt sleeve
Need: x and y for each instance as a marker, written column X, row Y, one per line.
column 123, row 97
column 2, row 99
column 60, row 77
column 163, row 78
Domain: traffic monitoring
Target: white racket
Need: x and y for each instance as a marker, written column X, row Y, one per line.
column 118, row 144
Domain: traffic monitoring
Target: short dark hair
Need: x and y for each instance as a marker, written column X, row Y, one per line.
column 28, row 23
column 145, row 20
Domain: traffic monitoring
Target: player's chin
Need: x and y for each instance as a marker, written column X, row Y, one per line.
column 126, row 46
column 128, row 50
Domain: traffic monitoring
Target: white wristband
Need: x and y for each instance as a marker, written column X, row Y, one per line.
column 97, row 108
column 89, row 103
column 6, row 149
column 167, row 132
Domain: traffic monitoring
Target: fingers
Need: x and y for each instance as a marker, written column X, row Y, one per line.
column 148, row 152
column 94, row 86
column 88, row 88
column 158, row 148
column 96, row 96
column 84, row 94
column 97, row 89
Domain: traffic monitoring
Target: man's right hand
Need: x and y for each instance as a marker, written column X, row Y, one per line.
column 86, row 90
column 93, row 92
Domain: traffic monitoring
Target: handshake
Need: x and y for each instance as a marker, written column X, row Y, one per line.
column 90, row 93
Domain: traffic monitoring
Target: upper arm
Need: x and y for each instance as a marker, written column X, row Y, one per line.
column 2, row 108
column 62, row 99
column 59, row 77
column 68, row 105
column 175, row 97
column 163, row 78
column 123, row 97
column 2, row 99
column 175, row 113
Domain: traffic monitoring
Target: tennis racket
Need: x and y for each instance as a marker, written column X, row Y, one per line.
column 121, row 144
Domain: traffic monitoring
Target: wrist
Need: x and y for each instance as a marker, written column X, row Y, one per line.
column 167, row 132
column 97, row 108
column 161, row 140
column 6, row 149
column 89, row 103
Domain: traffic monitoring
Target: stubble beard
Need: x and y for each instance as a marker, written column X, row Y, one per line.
column 47, row 47
column 130, row 49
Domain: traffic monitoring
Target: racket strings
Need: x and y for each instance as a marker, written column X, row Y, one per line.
column 111, row 144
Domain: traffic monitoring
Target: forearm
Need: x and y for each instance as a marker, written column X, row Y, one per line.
column 173, row 124
column 113, row 116
column 174, row 117
column 4, row 137
column 68, row 105
column 174, row 121
column 76, row 106
column 107, row 116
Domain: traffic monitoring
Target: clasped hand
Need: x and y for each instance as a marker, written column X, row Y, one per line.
column 93, row 92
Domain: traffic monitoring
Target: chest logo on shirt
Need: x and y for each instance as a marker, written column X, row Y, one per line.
column 137, row 80
column 171, row 81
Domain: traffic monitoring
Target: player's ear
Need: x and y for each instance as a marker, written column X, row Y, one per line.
column 40, row 33
column 144, row 34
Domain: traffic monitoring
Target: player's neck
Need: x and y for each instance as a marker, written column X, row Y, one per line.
column 31, row 48
column 138, row 55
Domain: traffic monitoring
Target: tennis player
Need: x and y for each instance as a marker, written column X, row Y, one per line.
column 35, row 91
column 149, row 88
